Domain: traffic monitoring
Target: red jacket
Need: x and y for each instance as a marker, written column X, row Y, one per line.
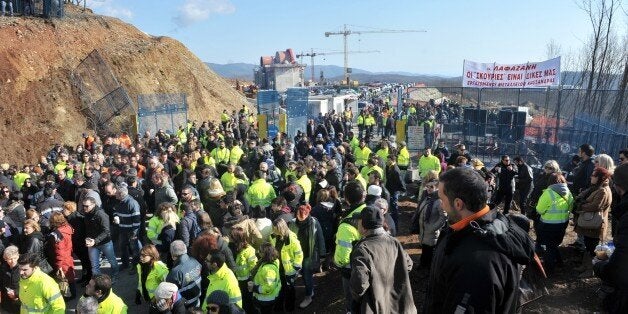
column 62, row 253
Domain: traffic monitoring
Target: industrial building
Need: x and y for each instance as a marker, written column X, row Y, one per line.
column 279, row 72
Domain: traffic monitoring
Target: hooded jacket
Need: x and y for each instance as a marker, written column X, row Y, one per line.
column 555, row 204
column 476, row 269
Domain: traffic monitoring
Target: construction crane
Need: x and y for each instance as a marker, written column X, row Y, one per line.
column 313, row 54
column 346, row 32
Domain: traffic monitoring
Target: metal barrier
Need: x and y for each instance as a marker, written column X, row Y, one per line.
column 297, row 110
column 538, row 124
column 43, row 8
column 107, row 104
column 268, row 107
column 161, row 111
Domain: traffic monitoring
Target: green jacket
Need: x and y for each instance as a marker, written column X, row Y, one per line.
column 346, row 235
column 156, row 275
column 260, row 193
column 224, row 279
column 113, row 304
column 428, row 163
column 267, row 282
column 245, row 262
column 291, row 254
column 40, row 294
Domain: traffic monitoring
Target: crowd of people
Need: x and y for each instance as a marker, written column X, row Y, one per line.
column 215, row 219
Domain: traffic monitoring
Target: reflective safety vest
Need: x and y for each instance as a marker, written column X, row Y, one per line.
column 306, row 185
column 224, row 117
column 403, row 159
column 361, row 155
column 112, row 305
column 209, row 160
column 354, row 143
column 183, row 138
column 346, row 235
column 369, row 121
column 260, row 193
column 553, row 207
column 267, row 282
column 245, row 262
column 428, row 163
column 235, row 154
column 383, row 154
column 60, row 166
column 360, row 120
column 20, row 178
column 289, row 172
column 40, row 294
column 224, row 280
column 153, row 229
column 366, row 170
column 228, row 181
column 362, row 181
column 291, row 254
column 156, row 275
column 220, row 155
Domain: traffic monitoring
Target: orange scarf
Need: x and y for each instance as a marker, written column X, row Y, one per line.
column 466, row 221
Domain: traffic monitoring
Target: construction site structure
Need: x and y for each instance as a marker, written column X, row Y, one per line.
column 279, row 72
column 313, row 54
column 346, row 32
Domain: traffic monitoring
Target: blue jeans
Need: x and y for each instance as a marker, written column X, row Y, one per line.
column 128, row 240
column 308, row 277
column 394, row 207
column 107, row 250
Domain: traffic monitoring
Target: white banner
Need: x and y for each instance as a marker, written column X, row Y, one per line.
column 531, row 74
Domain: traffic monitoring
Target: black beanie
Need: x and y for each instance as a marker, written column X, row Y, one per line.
column 372, row 218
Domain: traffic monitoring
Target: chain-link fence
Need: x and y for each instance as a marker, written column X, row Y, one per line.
column 106, row 103
column 161, row 112
column 45, row 8
column 537, row 124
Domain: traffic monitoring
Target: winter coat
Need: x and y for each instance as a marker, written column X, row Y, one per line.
column 9, row 278
column 614, row 271
column 328, row 219
column 310, row 235
column 60, row 250
column 476, row 269
column 34, row 243
column 165, row 194
column 186, row 274
column 380, row 282
column 97, row 226
column 596, row 198
column 431, row 219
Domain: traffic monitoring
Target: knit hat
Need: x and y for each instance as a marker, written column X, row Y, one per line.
column 218, row 297
column 215, row 189
column 166, row 290
column 375, row 190
column 372, row 218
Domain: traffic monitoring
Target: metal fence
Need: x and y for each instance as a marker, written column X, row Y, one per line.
column 45, row 8
column 537, row 124
column 297, row 110
column 106, row 103
column 161, row 111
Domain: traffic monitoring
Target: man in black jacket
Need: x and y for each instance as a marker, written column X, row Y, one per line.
column 98, row 237
column 505, row 173
column 614, row 271
column 582, row 173
column 476, row 264
column 524, row 185
column 395, row 186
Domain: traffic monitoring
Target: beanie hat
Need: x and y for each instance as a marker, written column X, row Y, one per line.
column 218, row 297
column 375, row 190
column 372, row 218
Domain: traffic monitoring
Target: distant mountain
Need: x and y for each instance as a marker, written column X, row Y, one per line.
column 334, row 72
column 233, row 70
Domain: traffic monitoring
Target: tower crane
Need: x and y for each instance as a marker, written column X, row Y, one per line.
column 313, row 54
column 346, row 32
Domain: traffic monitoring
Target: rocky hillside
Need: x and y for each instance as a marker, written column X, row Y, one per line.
column 38, row 103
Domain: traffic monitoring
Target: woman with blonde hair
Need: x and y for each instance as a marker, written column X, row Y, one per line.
column 287, row 244
column 541, row 182
column 153, row 230
column 170, row 221
column 605, row 161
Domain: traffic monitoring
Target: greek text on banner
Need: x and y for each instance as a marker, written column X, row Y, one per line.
column 530, row 74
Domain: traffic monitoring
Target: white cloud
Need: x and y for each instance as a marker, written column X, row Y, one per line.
column 110, row 8
column 193, row 11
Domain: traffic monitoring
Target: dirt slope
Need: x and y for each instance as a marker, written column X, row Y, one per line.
column 38, row 104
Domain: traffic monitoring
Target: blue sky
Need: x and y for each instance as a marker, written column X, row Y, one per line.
column 225, row 31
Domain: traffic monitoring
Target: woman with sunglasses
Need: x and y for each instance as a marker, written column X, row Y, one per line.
column 150, row 272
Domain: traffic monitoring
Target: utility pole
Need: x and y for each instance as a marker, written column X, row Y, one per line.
column 346, row 32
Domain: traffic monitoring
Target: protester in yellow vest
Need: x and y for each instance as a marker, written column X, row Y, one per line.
column 108, row 302
column 157, row 272
column 428, row 162
column 362, row 154
column 222, row 278
column 39, row 293
column 403, row 158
